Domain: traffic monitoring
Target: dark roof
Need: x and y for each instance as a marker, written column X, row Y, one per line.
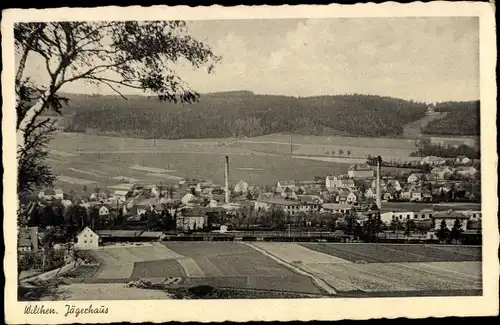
column 118, row 233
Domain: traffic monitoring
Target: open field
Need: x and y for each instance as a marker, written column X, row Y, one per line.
column 217, row 264
column 348, row 269
column 394, row 253
column 394, row 277
column 391, row 143
column 82, row 159
column 388, row 269
column 112, row 169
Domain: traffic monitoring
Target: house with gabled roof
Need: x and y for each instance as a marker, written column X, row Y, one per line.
column 415, row 177
column 87, row 239
column 346, row 196
column 360, row 171
column 339, row 182
column 281, row 186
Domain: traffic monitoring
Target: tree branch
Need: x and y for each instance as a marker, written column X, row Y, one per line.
column 121, row 83
column 114, row 89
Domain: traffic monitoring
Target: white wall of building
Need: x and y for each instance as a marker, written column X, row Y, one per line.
column 87, row 239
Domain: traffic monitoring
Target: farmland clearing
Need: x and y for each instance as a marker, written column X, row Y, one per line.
column 306, row 268
column 106, row 160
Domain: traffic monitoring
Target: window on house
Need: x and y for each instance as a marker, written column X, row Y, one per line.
column 430, row 215
column 407, row 216
column 416, row 215
column 91, row 242
column 84, row 241
column 400, row 217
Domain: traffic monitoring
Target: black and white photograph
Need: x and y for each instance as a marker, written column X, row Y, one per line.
column 263, row 158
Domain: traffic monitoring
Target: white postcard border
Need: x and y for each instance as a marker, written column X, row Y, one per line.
column 279, row 309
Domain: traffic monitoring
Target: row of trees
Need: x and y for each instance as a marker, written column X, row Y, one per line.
column 450, row 236
column 426, row 148
column 340, row 152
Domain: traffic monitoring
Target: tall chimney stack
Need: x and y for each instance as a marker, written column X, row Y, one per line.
column 379, row 200
column 226, row 179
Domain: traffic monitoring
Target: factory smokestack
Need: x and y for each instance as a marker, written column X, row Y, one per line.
column 226, row 179
column 379, row 200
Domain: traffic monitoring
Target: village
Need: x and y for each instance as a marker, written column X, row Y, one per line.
column 364, row 204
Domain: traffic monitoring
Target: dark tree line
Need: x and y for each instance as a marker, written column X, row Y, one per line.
column 242, row 114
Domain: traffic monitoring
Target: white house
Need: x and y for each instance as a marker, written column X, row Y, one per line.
column 59, row 194
column 154, row 191
column 291, row 207
column 414, row 177
column 186, row 199
column 402, row 216
column 416, row 196
column 334, row 182
column 360, row 171
column 87, row 239
column 103, row 211
column 463, row 160
column 120, row 194
column 191, row 219
column 241, row 187
column 393, row 183
column 281, row 186
column 370, row 194
column 51, row 194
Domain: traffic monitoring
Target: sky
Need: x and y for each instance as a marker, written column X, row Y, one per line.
column 425, row 59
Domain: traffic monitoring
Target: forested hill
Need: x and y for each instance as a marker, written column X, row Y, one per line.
column 461, row 119
column 241, row 113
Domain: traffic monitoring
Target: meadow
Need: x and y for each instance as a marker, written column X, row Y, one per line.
column 107, row 168
column 348, row 269
column 387, row 270
column 214, row 263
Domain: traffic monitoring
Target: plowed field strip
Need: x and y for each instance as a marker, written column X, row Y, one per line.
column 343, row 253
column 190, row 267
column 223, row 266
column 444, row 273
column 476, row 252
column 435, row 254
column 208, row 268
column 290, row 252
column 118, row 271
column 104, row 257
column 123, row 255
column 156, row 269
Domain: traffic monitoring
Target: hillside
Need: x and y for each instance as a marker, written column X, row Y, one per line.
column 461, row 119
column 241, row 113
